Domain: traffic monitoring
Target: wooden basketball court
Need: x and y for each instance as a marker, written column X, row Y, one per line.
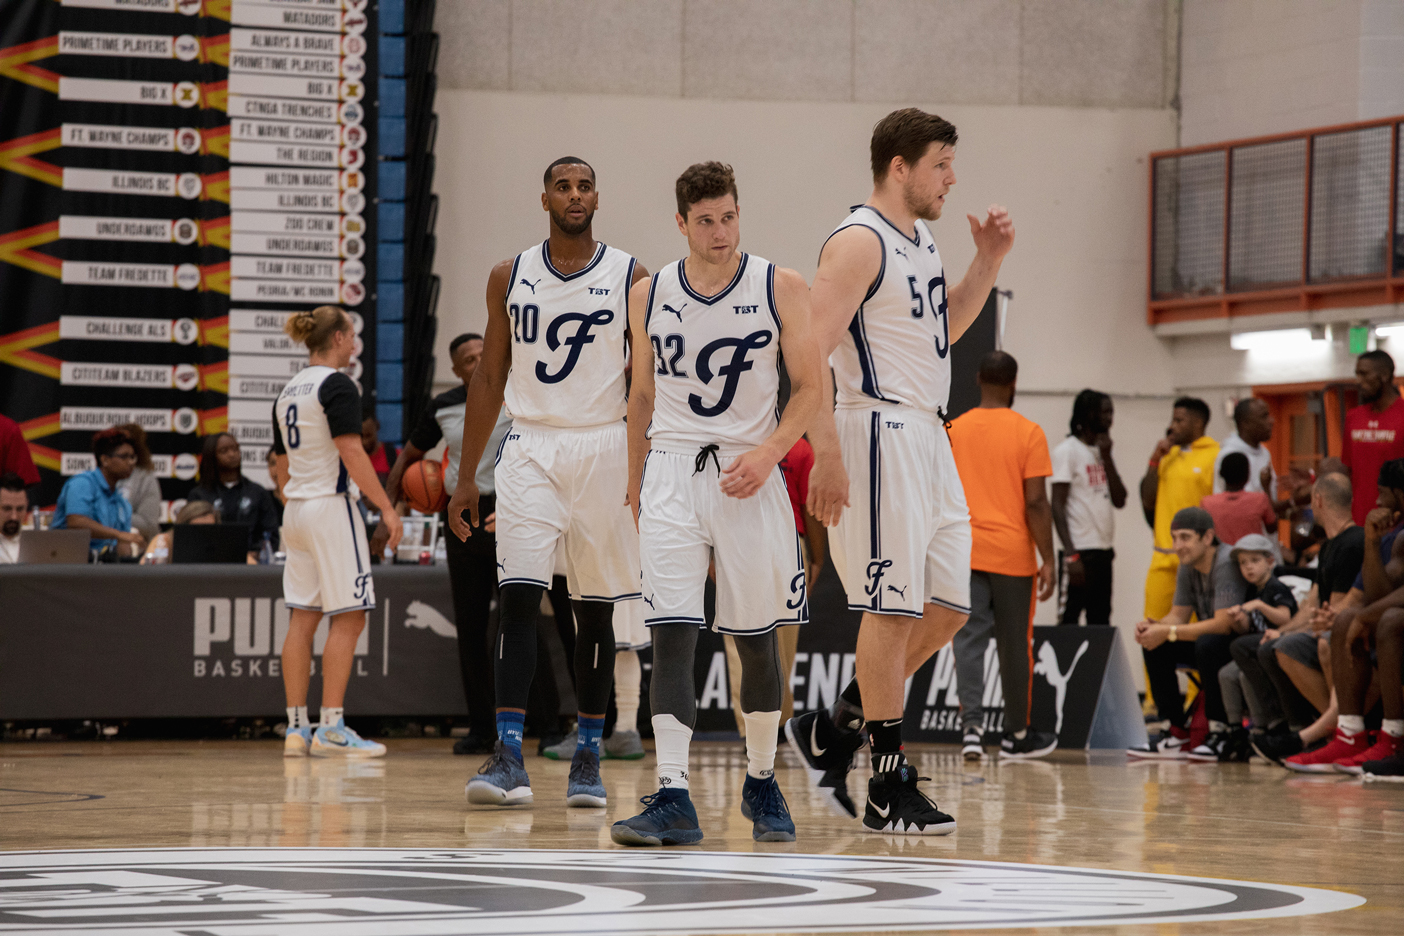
column 1097, row 813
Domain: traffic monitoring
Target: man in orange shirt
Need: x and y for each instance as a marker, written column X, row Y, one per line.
column 1003, row 463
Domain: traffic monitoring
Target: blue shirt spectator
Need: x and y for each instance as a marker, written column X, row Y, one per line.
column 91, row 501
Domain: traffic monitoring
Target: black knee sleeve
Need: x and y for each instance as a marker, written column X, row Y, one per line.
column 761, row 678
column 514, row 657
column 671, row 684
column 594, row 655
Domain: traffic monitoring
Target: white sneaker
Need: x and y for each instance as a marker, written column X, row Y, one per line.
column 339, row 741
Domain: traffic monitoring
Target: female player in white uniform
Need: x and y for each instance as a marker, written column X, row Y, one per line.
column 554, row 350
column 704, row 448
column 320, row 465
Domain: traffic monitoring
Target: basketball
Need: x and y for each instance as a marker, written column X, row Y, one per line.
column 423, row 487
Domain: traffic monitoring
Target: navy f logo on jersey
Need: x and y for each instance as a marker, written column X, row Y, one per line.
column 731, row 370
column 577, row 341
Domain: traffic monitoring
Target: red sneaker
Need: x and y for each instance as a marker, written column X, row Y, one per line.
column 1384, row 746
column 1323, row 759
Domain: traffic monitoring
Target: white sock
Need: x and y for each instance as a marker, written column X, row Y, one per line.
column 762, row 733
column 1351, row 725
column 331, row 716
column 297, row 717
column 1021, row 734
column 628, row 673
column 1217, row 726
column 1394, row 727
column 670, row 742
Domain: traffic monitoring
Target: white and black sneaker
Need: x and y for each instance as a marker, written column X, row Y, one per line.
column 971, row 747
column 827, row 754
column 897, row 807
column 1212, row 749
column 1172, row 744
column 1032, row 744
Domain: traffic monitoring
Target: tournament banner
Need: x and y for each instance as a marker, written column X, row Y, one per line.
column 178, row 177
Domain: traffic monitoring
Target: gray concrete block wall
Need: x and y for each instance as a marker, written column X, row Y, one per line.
column 1077, row 53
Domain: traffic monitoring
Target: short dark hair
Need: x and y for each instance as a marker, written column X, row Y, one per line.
column 1234, row 470
column 1243, row 409
column 1380, row 358
column 565, row 161
column 1392, row 475
column 907, row 133
column 704, row 180
column 1194, row 405
column 998, row 369
column 9, row 481
column 462, row 340
column 368, row 415
column 1086, row 408
column 110, row 440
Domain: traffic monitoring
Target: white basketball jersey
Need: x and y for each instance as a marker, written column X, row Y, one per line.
column 716, row 359
column 316, row 406
column 897, row 347
column 568, row 338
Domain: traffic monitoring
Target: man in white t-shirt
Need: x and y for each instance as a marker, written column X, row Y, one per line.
column 1087, row 489
column 14, row 510
column 1253, row 421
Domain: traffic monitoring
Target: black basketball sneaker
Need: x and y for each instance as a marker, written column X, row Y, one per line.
column 827, row 754
column 897, row 807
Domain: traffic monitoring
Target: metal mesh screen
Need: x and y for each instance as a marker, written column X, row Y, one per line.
column 1349, row 203
column 1188, row 237
column 1399, row 205
column 1267, row 209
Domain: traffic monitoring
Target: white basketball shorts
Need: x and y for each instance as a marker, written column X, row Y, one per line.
column 328, row 567
column 566, row 487
column 685, row 520
column 630, row 631
column 905, row 540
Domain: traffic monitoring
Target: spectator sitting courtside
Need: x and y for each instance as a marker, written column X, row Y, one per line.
column 14, row 513
column 194, row 512
column 90, row 501
column 237, row 499
column 1207, row 586
column 140, row 488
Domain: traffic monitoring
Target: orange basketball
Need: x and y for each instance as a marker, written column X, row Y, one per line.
column 423, row 487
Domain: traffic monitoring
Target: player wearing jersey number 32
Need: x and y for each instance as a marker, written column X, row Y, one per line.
column 705, row 484
column 319, row 466
column 885, row 318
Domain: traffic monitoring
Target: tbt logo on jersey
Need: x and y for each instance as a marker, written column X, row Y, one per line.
column 577, row 341
column 731, row 370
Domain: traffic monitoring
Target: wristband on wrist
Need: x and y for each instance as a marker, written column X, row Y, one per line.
column 1155, row 463
column 1072, row 557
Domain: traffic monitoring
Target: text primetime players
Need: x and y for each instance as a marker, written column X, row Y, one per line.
column 555, row 348
column 320, row 465
column 883, row 315
column 705, row 482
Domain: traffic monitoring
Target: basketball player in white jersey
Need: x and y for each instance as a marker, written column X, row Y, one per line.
column 320, row 466
column 554, row 348
column 886, row 320
column 705, row 482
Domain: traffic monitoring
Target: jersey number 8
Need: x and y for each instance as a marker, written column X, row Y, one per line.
column 290, row 421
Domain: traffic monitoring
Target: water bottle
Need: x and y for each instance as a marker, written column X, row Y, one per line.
column 265, row 553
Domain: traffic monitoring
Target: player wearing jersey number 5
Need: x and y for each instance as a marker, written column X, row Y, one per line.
column 705, row 483
column 885, row 319
column 320, row 464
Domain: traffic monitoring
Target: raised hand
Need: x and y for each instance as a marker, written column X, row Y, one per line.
column 995, row 237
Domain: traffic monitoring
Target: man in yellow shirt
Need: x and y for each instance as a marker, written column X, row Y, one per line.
column 1181, row 473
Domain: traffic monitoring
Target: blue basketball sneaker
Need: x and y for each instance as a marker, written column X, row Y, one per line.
column 339, row 741
column 585, row 787
column 669, row 819
column 501, row 781
column 764, row 804
column 297, row 742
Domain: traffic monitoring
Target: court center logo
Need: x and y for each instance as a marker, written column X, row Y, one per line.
column 165, row 892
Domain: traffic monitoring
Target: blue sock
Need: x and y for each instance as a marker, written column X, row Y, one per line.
column 509, row 729
column 589, row 732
